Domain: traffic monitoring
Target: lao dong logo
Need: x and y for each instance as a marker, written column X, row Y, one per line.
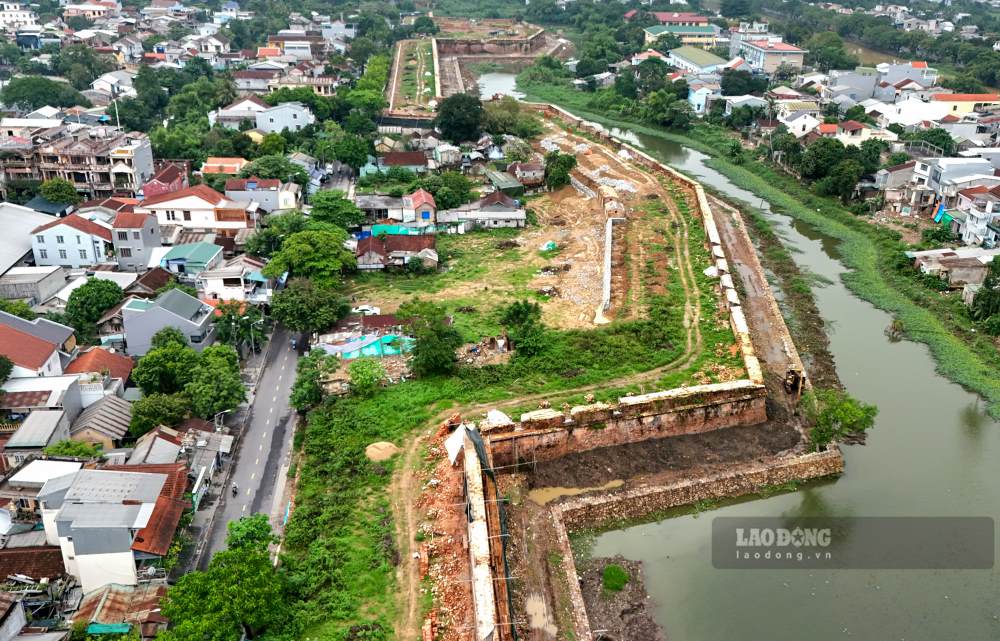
column 782, row 543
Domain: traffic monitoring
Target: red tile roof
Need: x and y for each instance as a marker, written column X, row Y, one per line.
column 96, row 359
column 851, row 125
column 203, row 192
column 78, row 223
column 115, row 204
column 384, row 245
column 966, row 97
column 168, row 174
column 827, row 128
column 18, row 400
column 421, row 197
column 671, row 17
column 222, row 165
column 153, row 279
column 255, row 74
column 405, row 158
column 240, row 184
column 254, row 99
column 383, row 321
column 156, row 537
column 130, row 220
column 195, row 423
column 918, row 64
column 38, row 562
column 24, row 349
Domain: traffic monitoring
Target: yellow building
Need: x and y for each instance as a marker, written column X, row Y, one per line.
column 964, row 103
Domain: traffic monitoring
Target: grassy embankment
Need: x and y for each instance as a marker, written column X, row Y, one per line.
column 339, row 550
column 873, row 255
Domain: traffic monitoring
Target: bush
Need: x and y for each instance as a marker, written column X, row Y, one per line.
column 614, row 578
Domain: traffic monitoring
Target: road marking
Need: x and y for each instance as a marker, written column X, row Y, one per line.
column 244, row 507
column 279, row 380
column 275, row 399
column 261, row 447
column 248, row 491
column 253, row 475
column 257, row 462
column 270, row 411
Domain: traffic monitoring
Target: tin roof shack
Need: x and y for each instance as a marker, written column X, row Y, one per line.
column 116, row 524
column 502, row 181
column 380, row 252
column 959, row 267
column 33, row 285
column 21, row 485
column 39, row 430
column 118, row 609
column 104, row 423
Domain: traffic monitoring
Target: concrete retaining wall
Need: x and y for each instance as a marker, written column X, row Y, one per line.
column 437, row 69
column 548, row 434
column 598, row 510
column 500, row 46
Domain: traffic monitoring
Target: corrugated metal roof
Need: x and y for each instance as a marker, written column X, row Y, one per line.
column 36, row 430
column 110, row 416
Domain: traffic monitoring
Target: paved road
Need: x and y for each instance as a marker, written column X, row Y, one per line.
column 263, row 448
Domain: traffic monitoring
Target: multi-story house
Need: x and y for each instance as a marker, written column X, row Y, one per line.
column 200, row 207
column 254, row 80
column 293, row 116
column 99, row 161
column 238, row 279
column 114, row 522
column 235, row 114
column 339, row 30
column 134, row 237
column 142, row 318
column 30, row 355
column 270, row 195
column 116, row 84
column 321, row 85
column 977, row 214
column 749, row 31
column 73, row 241
column 916, row 70
column 765, row 56
column 14, row 15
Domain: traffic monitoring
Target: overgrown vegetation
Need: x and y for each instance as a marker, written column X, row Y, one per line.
column 836, row 416
column 614, row 577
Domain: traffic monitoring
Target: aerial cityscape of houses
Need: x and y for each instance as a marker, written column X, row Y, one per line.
column 95, row 508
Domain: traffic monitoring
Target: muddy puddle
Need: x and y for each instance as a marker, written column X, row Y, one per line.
column 544, row 495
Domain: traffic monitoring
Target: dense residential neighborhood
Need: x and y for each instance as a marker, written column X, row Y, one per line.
column 344, row 320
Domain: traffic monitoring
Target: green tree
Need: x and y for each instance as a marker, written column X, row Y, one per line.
column 173, row 283
column 366, row 375
column 523, row 322
column 460, row 117
column 34, row 92
column 18, row 308
column 6, row 367
column 157, row 409
column 986, row 303
column 168, row 336
column 88, row 302
column 826, row 51
column 352, row 150
column 836, row 415
column 239, row 595
column 557, row 169
column 60, row 190
column 165, row 370
column 820, row 157
column 435, row 340
column 316, row 255
column 238, row 323
column 275, row 166
column 251, row 533
column 841, row 180
column 332, row 207
column 215, row 384
column 936, row 136
column 425, row 25
column 76, row 449
column 272, row 145
column 265, row 241
column 305, row 306
column 307, row 391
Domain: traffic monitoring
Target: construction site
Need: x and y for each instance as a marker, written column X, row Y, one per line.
column 486, row 500
column 427, row 70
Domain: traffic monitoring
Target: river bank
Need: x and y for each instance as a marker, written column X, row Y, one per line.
column 872, row 255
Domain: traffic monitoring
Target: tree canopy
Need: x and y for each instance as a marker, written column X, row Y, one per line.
column 306, row 306
column 88, row 302
column 60, row 190
column 33, row 92
column 333, row 207
column 153, row 410
column 77, row 449
column 460, row 117
column 317, row 255
column 435, row 340
column 275, row 166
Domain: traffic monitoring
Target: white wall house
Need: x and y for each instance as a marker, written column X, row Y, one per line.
column 292, row 116
column 200, row 207
column 233, row 115
column 14, row 15
column 73, row 241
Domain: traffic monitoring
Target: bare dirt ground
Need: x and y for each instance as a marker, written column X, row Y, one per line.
column 910, row 227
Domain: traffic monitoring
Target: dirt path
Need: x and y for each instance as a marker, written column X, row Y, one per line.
column 403, row 491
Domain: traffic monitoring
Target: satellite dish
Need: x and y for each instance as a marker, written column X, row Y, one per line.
column 5, row 522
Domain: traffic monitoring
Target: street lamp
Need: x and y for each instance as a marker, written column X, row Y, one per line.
column 217, row 422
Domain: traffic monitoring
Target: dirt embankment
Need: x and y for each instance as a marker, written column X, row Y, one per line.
column 622, row 615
